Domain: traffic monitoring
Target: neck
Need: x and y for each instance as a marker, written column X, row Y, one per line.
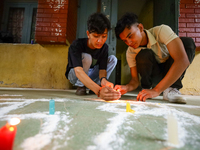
column 144, row 39
column 89, row 44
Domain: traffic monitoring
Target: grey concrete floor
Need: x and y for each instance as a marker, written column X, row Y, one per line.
column 89, row 123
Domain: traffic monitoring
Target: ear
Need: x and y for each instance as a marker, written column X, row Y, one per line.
column 141, row 27
column 87, row 33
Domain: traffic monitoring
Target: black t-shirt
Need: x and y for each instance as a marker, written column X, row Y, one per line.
column 79, row 46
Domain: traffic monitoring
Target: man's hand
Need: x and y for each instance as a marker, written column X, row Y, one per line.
column 104, row 82
column 121, row 88
column 108, row 93
column 146, row 93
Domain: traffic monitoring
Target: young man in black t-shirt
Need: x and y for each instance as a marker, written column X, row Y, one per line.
column 88, row 62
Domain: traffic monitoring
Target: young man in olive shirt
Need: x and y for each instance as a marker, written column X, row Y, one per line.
column 158, row 55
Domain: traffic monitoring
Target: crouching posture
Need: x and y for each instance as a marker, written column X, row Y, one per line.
column 88, row 62
column 158, row 55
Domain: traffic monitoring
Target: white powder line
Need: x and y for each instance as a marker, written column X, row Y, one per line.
column 184, row 119
column 14, row 106
column 48, row 130
column 10, row 95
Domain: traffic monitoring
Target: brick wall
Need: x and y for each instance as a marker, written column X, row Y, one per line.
column 54, row 21
column 189, row 20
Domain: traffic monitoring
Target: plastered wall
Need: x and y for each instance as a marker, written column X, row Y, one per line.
column 33, row 66
column 191, row 81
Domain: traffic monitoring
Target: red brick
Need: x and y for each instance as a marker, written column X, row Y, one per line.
column 186, row 1
column 38, row 38
column 61, row 39
column 186, row 20
column 50, row 39
column 192, row 6
column 197, row 44
column 182, row 34
column 63, row 20
column 38, row 28
column 59, row 25
column 197, row 10
column 41, row 24
column 196, row 1
column 193, row 34
column 182, row 5
column 50, row 2
column 44, row 6
column 54, row 29
column 39, row 19
column 58, row 34
column 197, row 39
column 51, row 11
column 61, row 1
column 197, row 20
column 193, row 25
column 186, row 10
column 182, row 16
column 193, row 15
column 50, row 20
column 40, row 34
column 64, row 11
column 43, row 15
column 182, row 25
column 187, row 29
column 60, row 6
column 40, row 10
column 59, row 16
column 197, row 29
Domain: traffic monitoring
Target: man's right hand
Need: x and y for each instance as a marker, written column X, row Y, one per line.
column 121, row 88
column 107, row 93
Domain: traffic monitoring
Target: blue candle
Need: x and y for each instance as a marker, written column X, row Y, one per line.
column 51, row 107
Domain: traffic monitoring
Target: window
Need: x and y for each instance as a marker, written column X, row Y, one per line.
column 19, row 20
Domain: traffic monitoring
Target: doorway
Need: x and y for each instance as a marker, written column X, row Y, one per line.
column 109, row 8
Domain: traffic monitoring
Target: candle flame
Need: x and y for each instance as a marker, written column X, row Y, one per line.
column 14, row 121
column 11, row 128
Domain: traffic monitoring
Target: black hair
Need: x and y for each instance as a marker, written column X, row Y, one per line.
column 98, row 22
column 126, row 21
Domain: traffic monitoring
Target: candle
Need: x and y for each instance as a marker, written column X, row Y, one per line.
column 7, row 134
column 51, row 107
column 128, row 108
column 172, row 126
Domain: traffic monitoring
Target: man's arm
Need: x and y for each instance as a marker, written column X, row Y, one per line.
column 85, row 79
column 106, row 93
column 134, row 83
column 181, row 62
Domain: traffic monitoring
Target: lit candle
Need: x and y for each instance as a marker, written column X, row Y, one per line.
column 7, row 134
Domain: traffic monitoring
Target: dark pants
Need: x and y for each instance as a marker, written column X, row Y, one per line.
column 152, row 72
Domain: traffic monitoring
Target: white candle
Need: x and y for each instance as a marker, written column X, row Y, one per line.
column 172, row 126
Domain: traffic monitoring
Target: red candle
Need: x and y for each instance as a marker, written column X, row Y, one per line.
column 7, row 135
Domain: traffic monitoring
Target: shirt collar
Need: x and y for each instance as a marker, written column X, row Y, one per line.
column 151, row 39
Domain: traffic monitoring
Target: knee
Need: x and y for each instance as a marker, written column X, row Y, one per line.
column 144, row 56
column 188, row 43
column 112, row 59
column 189, row 46
column 86, row 58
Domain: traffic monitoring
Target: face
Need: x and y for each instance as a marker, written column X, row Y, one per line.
column 96, row 41
column 133, row 36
